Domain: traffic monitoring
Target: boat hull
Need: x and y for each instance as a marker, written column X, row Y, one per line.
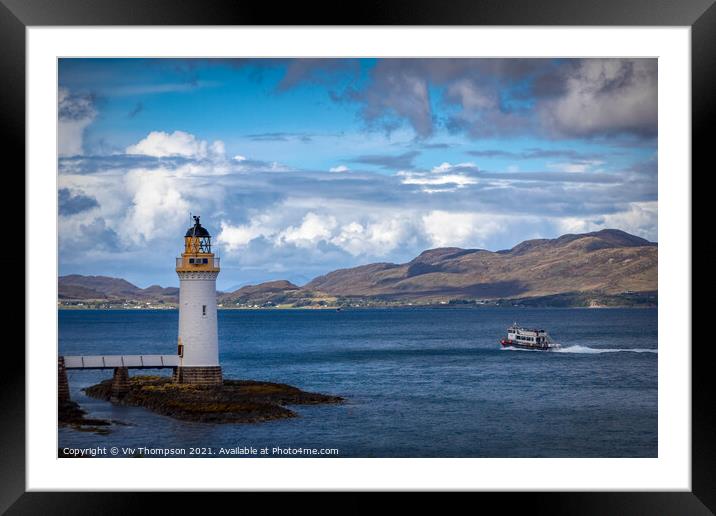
column 521, row 345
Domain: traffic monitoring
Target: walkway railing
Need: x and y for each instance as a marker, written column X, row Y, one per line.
column 112, row 361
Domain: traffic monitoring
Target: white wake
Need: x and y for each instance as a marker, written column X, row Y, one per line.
column 584, row 349
column 587, row 350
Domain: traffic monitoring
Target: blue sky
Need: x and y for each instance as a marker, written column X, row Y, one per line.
column 302, row 166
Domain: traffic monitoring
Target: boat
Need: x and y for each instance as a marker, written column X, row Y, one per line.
column 525, row 338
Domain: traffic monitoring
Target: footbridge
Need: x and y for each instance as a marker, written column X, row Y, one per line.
column 121, row 364
column 114, row 361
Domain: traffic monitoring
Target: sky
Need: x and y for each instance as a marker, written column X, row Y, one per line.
column 298, row 167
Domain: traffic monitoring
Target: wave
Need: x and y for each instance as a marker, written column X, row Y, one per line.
column 587, row 350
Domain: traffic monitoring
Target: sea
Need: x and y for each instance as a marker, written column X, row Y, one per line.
column 418, row 382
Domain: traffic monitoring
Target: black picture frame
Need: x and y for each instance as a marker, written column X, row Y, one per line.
column 17, row 15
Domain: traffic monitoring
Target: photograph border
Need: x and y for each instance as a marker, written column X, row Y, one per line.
column 17, row 15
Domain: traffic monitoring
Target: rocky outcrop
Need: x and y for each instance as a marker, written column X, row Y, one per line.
column 235, row 401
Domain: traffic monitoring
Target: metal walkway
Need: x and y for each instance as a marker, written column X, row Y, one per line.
column 113, row 361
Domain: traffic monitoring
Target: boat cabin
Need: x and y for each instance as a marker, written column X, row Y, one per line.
column 527, row 336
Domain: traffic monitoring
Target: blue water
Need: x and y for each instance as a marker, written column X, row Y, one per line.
column 418, row 382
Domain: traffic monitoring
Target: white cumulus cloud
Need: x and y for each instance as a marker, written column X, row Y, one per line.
column 312, row 230
column 179, row 143
column 236, row 237
column 462, row 229
column 157, row 205
column 374, row 238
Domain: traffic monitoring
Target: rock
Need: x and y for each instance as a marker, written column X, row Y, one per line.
column 236, row 401
column 70, row 414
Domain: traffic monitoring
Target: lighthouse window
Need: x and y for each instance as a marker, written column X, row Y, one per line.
column 203, row 309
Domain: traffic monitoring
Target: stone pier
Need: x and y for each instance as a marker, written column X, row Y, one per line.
column 210, row 375
column 120, row 384
column 63, row 386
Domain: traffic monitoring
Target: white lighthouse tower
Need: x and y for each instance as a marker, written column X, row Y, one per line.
column 198, row 344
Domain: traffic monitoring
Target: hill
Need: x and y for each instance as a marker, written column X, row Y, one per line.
column 603, row 268
column 75, row 287
column 608, row 261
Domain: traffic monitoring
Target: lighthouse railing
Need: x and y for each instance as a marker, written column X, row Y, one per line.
column 211, row 261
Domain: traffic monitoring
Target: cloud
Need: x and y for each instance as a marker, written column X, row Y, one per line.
column 638, row 218
column 159, row 144
column 312, row 230
column 154, row 89
column 501, row 97
column 605, row 97
column 535, row 153
column 102, row 237
column 445, row 177
column 471, row 96
column 70, row 203
column 400, row 90
column 157, row 205
column 461, row 229
column 435, row 145
column 138, row 108
column 309, row 222
column 75, row 113
column 375, row 238
column 396, row 92
column 236, row 237
column 428, row 180
column 391, row 162
column 317, row 71
column 575, row 166
column 280, row 137
column 339, row 168
column 447, row 167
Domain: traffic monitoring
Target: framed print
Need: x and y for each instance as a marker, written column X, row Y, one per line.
column 408, row 251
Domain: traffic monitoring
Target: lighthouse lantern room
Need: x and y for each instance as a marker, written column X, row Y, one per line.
column 198, row 343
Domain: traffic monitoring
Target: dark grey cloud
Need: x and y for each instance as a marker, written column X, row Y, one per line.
column 99, row 236
column 390, row 162
column 647, row 167
column 605, row 97
column 76, row 106
column 138, row 108
column 503, row 97
column 70, row 203
column 321, row 70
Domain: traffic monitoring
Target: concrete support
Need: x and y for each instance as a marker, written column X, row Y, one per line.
column 209, row 375
column 63, row 386
column 120, row 384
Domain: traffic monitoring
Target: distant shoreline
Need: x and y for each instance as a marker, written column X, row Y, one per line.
column 349, row 309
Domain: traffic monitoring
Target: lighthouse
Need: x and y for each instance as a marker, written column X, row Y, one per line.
column 198, row 343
